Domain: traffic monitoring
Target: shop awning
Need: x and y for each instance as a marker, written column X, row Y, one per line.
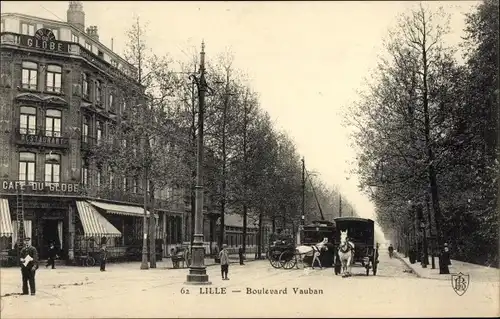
column 5, row 220
column 120, row 209
column 94, row 224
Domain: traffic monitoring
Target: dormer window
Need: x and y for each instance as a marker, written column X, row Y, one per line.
column 28, row 29
column 88, row 46
column 75, row 38
column 100, row 54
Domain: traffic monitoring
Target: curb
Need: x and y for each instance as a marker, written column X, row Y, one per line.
column 408, row 265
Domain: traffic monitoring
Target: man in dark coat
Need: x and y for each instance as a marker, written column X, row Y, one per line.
column 103, row 257
column 241, row 255
column 444, row 260
column 29, row 265
column 52, row 257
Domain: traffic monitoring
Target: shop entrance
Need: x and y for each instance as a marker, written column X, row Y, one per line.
column 52, row 229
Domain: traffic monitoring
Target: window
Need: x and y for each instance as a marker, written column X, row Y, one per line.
column 111, row 178
column 124, row 184
column 27, row 166
column 85, row 129
column 124, row 143
column 114, row 63
column 85, row 174
column 53, row 123
column 28, row 29
column 54, row 78
column 27, row 120
column 52, row 168
column 98, row 91
column 85, row 85
column 30, row 75
column 88, row 46
column 124, row 106
column 111, row 106
column 99, row 131
column 74, row 38
column 134, row 186
column 98, row 178
column 100, row 54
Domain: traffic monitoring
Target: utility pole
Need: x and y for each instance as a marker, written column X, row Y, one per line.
column 302, row 218
column 197, row 271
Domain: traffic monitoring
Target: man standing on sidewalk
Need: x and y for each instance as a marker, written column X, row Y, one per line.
column 241, row 255
column 224, row 262
column 444, row 261
column 29, row 265
column 103, row 257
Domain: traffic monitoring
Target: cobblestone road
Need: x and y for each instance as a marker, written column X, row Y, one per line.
column 126, row 291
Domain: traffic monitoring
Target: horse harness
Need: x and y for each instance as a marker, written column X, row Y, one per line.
column 346, row 247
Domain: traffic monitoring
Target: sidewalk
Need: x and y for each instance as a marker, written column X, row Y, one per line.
column 476, row 272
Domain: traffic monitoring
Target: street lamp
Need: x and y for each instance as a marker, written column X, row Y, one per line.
column 197, row 271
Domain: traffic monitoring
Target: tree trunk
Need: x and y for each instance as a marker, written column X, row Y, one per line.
column 152, row 231
column 245, row 212
column 430, row 153
column 259, row 237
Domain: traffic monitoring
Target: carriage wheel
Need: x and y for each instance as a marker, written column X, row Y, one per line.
column 288, row 260
column 274, row 259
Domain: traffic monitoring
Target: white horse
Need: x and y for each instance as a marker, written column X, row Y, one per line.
column 346, row 254
column 314, row 250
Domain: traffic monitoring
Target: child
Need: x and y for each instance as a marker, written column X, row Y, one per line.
column 224, row 262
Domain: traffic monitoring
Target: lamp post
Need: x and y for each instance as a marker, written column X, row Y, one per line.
column 197, row 271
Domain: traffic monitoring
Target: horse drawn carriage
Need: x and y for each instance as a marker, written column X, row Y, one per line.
column 316, row 244
column 355, row 243
column 277, row 245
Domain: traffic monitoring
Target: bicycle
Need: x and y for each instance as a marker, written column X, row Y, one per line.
column 89, row 261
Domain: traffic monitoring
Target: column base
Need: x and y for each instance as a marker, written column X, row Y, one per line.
column 197, row 276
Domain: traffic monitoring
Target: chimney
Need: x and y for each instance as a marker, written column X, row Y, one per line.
column 75, row 15
column 92, row 32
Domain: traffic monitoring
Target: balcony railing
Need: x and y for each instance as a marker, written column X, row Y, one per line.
column 37, row 137
column 88, row 142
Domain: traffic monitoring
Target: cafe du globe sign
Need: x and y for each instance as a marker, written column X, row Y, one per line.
column 40, row 187
column 44, row 39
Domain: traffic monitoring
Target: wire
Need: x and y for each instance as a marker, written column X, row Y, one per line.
column 52, row 13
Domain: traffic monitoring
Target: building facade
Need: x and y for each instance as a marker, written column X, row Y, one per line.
column 61, row 93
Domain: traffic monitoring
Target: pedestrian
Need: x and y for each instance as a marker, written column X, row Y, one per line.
column 241, row 255
column 391, row 250
column 103, row 254
column 29, row 265
column 224, row 262
column 444, row 260
column 52, row 257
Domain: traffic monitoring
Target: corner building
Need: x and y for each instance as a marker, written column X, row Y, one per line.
column 61, row 92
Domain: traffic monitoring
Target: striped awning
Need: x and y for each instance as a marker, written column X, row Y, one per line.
column 94, row 224
column 120, row 209
column 5, row 220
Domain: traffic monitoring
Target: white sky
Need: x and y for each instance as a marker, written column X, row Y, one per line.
column 306, row 59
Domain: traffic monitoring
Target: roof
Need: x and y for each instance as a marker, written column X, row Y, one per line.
column 69, row 25
column 349, row 218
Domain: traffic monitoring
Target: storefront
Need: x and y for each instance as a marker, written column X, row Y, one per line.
column 75, row 226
